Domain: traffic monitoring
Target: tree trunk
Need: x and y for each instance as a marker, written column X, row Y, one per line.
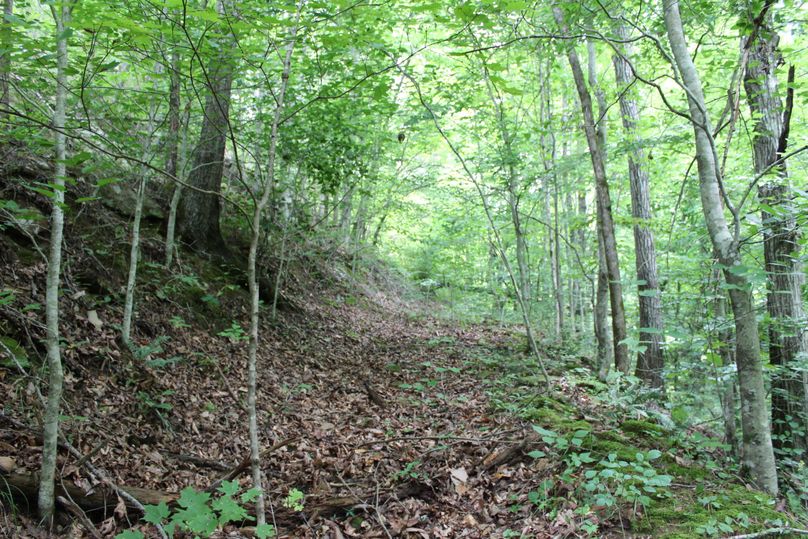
column 172, row 146
column 177, row 194
column 788, row 337
column 726, row 351
column 198, row 212
column 601, row 316
column 605, row 222
column 548, row 147
column 5, row 56
column 758, row 455
column 50, row 435
column 134, row 251
column 509, row 158
column 650, row 360
column 252, row 375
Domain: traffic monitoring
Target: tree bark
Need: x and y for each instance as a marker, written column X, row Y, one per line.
column 198, row 213
column 605, row 222
column 788, row 337
column 548, row 147
column 605, row 350
column 650, row 360
column 134, row 251
column 173, row 139
column 177, row 194
column 727, row 353
column 50, row 435
column 758, row 455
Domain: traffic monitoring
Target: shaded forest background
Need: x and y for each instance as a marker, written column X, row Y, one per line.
column 450, row 214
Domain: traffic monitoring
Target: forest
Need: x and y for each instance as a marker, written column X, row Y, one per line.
column 403, row 268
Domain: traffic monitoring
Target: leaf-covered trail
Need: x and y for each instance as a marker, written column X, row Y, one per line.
column 386, row 408
column 394, row 425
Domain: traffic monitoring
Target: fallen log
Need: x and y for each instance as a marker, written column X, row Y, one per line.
column 100, row 499
column 326, row 507
column 499, row 456
column 245, row 463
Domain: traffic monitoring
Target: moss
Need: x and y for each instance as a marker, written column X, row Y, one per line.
column 687, row 473
column 624, row 451
column 682, row 515
column 555, row 415
column 547, row 417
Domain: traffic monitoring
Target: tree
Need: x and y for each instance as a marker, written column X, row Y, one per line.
column 650, row 361
column 604, row 206
column 788, row 338
column 5, row 56
column 198, row 212
column 758, row 455
column 50, row 424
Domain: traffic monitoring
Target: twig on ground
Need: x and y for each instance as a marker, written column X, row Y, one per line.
column 76, row 511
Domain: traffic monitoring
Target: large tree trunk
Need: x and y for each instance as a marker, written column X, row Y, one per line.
column 727, row 390
column 605, row 222
column 758, row 455
column 198, row 212
column 50, row 422
column 650, row 360
column 788, row 337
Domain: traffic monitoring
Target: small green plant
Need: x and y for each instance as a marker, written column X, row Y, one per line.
column 178, row 322
column 153, row 348
column 294, row 500
column 201, row 515
column 12, row 354
column 7, row 296
column 714, row 528
column 409, row 471
column 157, row 404
column 235, row 333
column 710, row 502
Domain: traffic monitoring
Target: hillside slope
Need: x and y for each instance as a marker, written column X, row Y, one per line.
column 391, row 421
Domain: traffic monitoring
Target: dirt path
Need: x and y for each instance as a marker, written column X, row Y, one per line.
column 388, row 411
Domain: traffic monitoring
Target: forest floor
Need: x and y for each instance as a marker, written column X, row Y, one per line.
column 391, row 420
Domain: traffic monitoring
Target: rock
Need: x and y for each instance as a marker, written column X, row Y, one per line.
column 121, row 197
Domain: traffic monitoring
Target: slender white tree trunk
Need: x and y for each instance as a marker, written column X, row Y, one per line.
column 171, row 244
column 605, row 221
column 758, row 455
column 50, row 435
column 134, row 250
column 252, row 377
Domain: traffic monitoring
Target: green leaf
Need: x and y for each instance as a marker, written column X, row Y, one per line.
column 264, row 531
column 537, row 454
column 130, row 534
column 229, row 488
column 250, row 495
column 229, row 510
column 155, row 514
